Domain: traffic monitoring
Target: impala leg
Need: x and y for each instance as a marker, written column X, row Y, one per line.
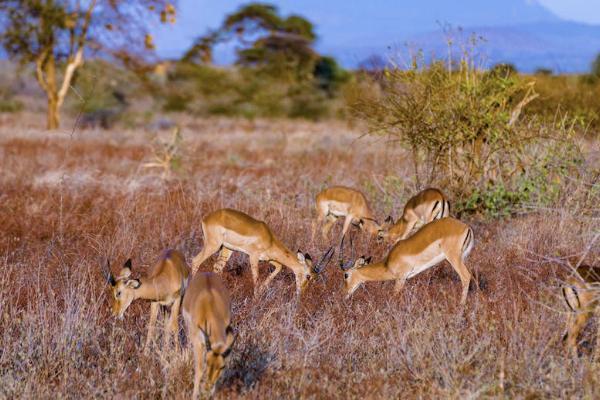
column 254, row 271
column 198, row 364
column 576, row 324
column 597, row 347
column 347, row 223
column 327, row 226
column 464, row 274
column 316, row 223
column 399, row 285
column 209, row 249
column 224, row 256
column 272, row 275
column 172, row 324
column 154, row 306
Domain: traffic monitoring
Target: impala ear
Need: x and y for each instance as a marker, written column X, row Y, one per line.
column 124, row 273
column 389, row 220
column 133, row 283
column 307, row 257
column 301, row 256
column 231, row 336
column 127, row 263
column 368, row 260
column 361, row 261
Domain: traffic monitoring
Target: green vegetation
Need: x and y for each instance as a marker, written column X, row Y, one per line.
column 54, row 35
column 8, row 102
column 277, row 71
column 466, row 131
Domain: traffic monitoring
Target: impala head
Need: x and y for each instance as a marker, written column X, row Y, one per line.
column 370, row 225
column 384, row 231
column 311, row 271
column 351, row 277
column 123, row 288
column 216, row 356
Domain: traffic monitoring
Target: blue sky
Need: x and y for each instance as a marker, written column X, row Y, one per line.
column 350, row 26
column 196, row 16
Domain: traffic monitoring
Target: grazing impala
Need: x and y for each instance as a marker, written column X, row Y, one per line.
column 443, row 239
column 581, row 293
column 163, row 286
column 424, row 207
column 207, row 315
column 339, row 201
column 229, row 230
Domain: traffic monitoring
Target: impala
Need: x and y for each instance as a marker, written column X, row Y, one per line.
column 342, row 202
column 424, row 207
column 163, row 286
column 581, row 293
column 443, row 239
column 230, row 230
column 207, row 315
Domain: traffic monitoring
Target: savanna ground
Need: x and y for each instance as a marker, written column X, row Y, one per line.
column 69, row 199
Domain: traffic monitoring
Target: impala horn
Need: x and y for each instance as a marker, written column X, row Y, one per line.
column 206, row 339
column 345, row 266
column 107, row 274
column 324, row 261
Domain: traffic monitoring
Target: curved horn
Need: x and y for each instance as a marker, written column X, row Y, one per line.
column 206, row 339
column 341, row 257
column 345, row 266
column 107, row 274
column 324, row 261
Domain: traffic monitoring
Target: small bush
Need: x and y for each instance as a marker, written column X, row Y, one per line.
column 253, row 92
column 461, row 128
column 8, row 103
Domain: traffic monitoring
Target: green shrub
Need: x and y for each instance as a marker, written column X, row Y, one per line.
column 252, row 92
column 8, row 102
column 461, row 128
column 10, row 105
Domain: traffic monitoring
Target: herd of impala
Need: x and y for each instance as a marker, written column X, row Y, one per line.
column 206, row 301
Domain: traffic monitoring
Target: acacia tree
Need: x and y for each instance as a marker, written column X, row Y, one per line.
column 56, row 36
column 267, row 40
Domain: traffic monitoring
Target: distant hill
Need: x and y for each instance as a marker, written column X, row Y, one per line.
column 561, row 46
column 517, row 31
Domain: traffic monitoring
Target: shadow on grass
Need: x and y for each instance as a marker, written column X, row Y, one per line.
column 246, row 368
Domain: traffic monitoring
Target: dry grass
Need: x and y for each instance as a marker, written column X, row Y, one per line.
column 67, row 201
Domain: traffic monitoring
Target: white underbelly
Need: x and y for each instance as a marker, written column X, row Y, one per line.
column 337, row 209
column 234, row 247
column 417, row 269
column 244, row 249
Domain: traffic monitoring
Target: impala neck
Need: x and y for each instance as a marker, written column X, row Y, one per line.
column 283, row 255
column 375, row 272
column 398, row 230
column 151, row 289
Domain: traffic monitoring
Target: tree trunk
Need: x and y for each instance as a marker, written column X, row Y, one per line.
column 53, row 116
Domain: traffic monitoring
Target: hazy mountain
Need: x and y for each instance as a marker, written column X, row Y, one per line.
column 561, row 46
column 519, row 31
column 361, row 22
